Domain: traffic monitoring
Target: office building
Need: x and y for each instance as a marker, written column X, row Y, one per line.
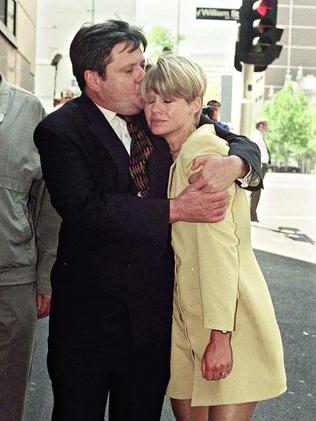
column 17, row 41
column 298, row 56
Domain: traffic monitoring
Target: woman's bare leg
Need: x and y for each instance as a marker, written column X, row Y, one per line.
column 238, row 412
column 183, row 411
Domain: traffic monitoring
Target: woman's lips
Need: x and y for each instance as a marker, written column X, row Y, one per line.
column 156, row 121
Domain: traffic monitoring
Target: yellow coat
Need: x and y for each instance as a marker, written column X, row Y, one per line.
column 219, row 285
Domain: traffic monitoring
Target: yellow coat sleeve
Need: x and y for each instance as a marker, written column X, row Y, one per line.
column 217, row 253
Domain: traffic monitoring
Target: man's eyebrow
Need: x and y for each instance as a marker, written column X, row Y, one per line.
column 129, row 65
column 126, row 65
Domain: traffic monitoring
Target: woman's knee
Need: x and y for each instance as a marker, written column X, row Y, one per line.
column 237, row 412
column 183, row 411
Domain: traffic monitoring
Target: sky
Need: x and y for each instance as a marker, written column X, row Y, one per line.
column 209, row 42
column 58, row 20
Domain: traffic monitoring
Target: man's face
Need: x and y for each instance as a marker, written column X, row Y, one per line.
column 120, row 91
column 264, row 127
column 216, row 113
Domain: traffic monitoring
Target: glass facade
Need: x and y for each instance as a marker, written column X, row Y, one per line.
column 298, row 18
column 8, row 14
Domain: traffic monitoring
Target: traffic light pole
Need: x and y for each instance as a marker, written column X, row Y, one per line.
column 246, row 109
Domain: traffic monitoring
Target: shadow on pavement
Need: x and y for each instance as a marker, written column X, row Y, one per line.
column 290, row 232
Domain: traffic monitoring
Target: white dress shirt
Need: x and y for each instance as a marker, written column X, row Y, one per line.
column 257, row 137
column 119, row 126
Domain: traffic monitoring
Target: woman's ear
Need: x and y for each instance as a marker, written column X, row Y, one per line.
column 92, row 79
column 196, row 104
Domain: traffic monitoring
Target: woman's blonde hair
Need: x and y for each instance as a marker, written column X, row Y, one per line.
column 176, row 77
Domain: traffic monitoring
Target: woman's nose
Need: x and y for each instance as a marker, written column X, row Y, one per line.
column 155, row 108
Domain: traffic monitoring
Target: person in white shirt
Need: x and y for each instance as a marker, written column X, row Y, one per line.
column 258, row 136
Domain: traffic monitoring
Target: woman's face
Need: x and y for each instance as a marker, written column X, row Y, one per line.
column 167, row 116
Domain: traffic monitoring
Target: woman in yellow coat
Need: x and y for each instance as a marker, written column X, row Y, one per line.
column 226, row 346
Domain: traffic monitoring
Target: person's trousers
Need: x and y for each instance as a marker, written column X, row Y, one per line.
column 18, row 316
column 255, row 197
column 135, row 381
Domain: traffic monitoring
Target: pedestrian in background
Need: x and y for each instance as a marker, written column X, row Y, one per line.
column 258, row 136
column 65, row 96
column 28, row 239
column 213, row 111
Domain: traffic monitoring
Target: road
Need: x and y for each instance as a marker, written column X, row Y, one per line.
column 285, row 246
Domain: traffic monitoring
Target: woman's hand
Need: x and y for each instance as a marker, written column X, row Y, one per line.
column 217, row 358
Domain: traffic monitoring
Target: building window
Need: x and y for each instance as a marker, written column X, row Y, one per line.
column 8, row 14
column 2, row 10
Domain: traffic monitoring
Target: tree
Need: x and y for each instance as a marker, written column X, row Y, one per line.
column 310, row 154
column 290, row 124
column 160, row 37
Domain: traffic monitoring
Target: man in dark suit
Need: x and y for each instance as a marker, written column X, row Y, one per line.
column 113, row 278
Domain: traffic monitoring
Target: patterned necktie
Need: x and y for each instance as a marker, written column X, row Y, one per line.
column 141, row 150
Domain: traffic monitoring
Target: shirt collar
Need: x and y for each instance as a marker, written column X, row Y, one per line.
column 108, row 114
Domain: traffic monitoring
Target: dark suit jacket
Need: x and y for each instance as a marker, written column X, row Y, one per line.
column 113, row 278
column 240, row 146
column 114, row 262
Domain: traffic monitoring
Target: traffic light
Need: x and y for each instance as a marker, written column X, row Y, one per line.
column 258, row 34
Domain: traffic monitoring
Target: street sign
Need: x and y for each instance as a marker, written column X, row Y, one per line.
column 217, row 14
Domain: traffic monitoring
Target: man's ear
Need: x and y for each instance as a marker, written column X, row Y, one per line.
column 92, row 79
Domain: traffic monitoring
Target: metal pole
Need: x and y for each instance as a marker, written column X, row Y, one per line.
column 92, row 11
column 178, row 26
column 246, row 110
column 55, row 81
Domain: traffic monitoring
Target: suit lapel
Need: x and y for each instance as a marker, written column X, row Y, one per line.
column 158, row 168
column 106, row 135
column 171, row 173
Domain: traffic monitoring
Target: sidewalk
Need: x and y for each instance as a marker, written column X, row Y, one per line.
column 285, row 245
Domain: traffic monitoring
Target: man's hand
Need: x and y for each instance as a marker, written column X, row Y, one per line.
column 43, row 305
column 197, row 204
column 217, row 358
column 220, row 171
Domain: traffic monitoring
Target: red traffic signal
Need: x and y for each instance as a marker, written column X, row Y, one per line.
column 263, row 6
column 258, row 34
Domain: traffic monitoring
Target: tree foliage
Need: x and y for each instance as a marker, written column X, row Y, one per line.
column 290, row 124
column 159, row 37
column 312, row 142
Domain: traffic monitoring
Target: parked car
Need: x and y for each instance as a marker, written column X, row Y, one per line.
column 273, row 167
column 290, row 168
column 279, row 166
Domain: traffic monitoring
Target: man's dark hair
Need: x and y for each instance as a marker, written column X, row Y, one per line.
column 211, row 107
column 262, row 122
column 92, row 46
column 167, row 49
column 214, row 103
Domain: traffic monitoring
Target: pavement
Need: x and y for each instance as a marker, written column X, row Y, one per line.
column 285, row 245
